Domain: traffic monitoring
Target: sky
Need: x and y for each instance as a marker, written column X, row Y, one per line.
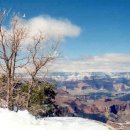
column 92, row 30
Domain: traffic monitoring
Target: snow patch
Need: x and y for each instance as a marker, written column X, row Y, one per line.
column 22, row 120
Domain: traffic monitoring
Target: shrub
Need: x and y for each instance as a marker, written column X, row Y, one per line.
column 42, row 98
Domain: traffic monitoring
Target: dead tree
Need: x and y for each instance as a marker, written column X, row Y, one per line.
column 10, row 46
column 41, row 53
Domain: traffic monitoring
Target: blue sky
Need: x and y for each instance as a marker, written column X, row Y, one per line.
column 104, row 24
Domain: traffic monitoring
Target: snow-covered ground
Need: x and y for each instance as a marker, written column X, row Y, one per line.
column 22, row 120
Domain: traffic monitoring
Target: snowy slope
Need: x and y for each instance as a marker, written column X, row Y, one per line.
column 24, row 121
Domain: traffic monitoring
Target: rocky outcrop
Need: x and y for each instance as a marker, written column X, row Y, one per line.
column 120, row 87
column 119, row 126
column 108, row 109
column 108, row 105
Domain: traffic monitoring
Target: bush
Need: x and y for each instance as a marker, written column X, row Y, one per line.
column 41, row 101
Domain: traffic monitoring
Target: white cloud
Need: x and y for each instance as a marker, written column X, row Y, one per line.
column 102, row 63
column 53, row 28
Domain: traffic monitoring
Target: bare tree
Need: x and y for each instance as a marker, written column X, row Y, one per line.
column 10, row 46
column 41, row 53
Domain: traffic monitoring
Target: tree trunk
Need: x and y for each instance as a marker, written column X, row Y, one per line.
column 9, row 94
column 29, row 93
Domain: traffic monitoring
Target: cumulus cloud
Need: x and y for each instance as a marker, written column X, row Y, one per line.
column 53, row 28
column 102, row 63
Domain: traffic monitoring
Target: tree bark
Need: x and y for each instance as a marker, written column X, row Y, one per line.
column 29, row 93
column 9, row 94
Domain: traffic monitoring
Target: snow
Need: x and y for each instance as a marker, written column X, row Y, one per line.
column 22, row 120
